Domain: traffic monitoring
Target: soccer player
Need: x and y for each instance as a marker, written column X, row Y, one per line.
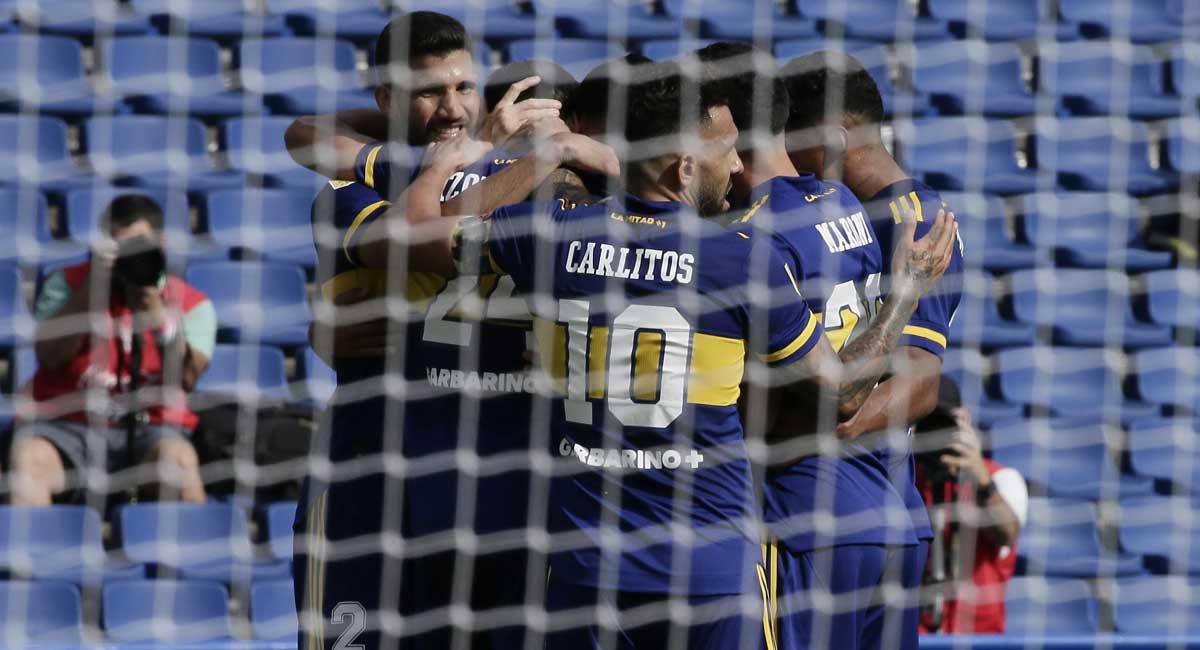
column 646, row 313
column 839, row 273
column 834, row 132
column 346, row 583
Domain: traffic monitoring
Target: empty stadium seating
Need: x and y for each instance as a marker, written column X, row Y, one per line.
column 1093, row 230
column 319, row 378
column 1161, row 529
column 620, row 21
column 740, row 21
column 255, row 145
column 879, row 20
column 973, row 77
column 1171, row 298
column 273, row 610
column 1157, row 605
column 301, row 75
column 60, row 542
column 227, row 19
column 153, row 150
column 1141, row 21
column 34, row 151
column 1061, row 539
column 578, row 56
column 245, row 373
column 1012, row 20
column 1099, row 154
column 270, row 223
column 978, row 321
column 1083, row 308
column 43, row 612
column 1035, row 605
column 1107, row 79
column 983, row 221
column 171, row 74
column 166, row 611
column 965, row 154
column 263, row 302
column 45, row 73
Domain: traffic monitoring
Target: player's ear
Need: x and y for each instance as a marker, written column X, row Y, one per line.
column 686, row 170
column 383, row 98
column 834, row 141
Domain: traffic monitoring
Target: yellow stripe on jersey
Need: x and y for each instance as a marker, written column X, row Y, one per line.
column 768, row 628
column 796, row 343
column 750, row 212
column 421, row 286
column 358, row 221
column 714, row 378
column 369, row 172
column 916, row 206
column 774, row 584
column 925, row 333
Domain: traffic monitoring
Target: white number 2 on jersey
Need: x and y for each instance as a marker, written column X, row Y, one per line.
column 847, row 307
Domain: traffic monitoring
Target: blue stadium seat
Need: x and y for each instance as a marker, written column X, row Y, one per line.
column 743, row 20
column 1140, row 21
column 1162, row 530
column 319, row 379
column 497, row 21
column 973, row 78
column 1098, row 154
column 245, row 373
column 1083, row 308
column 208, row 541
column 1061, row 539
column 1183, row 70
column 1173, row 298
column 255, row 146
column 23, row 214
column 1169, row 376
column 1107, row 79
column 877, row 20
column 965, row 153
column 1164, row 448
column 223, row 19
column 24, row 366
column 787, row 50
column 33, row 151
column 968, row 368
column 60, row 542
column 1089, row 230
column 16, row 323
column 578, row 56
column 166, row 611
column 978, row 322
column 279, row 519
column 263, row 302
column 673, row 48
column 45, row 73
column 1065, row 457
column 154, row 150
column 82, row 19
column 272, row 223
column 1011, row 20
column 597, row 20
column 1157, row 605
column 42, row 613
column 171, row 74
column 1068, row 381
column 85, row 207
column 273, row 610
column 983, row 221
column 300, row 75
column 1182, row 145
column 359, row 20
column 1034, row 606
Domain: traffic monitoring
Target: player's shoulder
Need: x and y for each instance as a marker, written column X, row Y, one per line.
column 906, row 198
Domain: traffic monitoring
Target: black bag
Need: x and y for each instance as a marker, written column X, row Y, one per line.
column 274, row 435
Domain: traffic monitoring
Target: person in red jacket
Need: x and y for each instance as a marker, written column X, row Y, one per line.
column 84, row 408
column 979, row 506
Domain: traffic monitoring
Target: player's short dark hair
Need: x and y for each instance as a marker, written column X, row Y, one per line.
column 128, row 209
column 602, row 84
column 417, row 34
column 557, row 83
column 737, row 71
column 664, row 102
column 826, row 81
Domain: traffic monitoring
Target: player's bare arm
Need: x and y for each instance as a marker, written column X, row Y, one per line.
column 907, row 395
column 330, row 144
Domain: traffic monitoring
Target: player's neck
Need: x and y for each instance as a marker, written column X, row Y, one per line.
column 867, row 170
column 772, row 163
column 656, row 193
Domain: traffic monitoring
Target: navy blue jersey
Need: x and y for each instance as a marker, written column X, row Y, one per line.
column 464, row 340
column 840, row 265
column 381, row 166
column 930, row 323
column 644, row 318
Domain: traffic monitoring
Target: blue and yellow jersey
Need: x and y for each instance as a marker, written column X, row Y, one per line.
column 839, row 272
column 381, row 165
column 644, row 317
column 463, row 356
column 930, row 323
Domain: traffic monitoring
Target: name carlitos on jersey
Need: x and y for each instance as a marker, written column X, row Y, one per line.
column 846, row 233
column 590, row 258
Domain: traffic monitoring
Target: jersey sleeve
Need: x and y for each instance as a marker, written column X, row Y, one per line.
column 379, row 165
column 930, row 322
column 513, row 237
column 792, row 329
column 355, row 206
column 56, row 293
column 200, row 327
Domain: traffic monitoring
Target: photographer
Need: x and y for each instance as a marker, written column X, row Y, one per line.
column 979, row 507
column 97, row 321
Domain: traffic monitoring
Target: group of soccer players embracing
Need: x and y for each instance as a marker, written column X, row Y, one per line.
column 623, row 363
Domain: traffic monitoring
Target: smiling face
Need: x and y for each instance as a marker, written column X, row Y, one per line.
column 444, row 100
column 717, row 162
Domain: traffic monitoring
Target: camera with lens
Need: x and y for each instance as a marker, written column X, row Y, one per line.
column 932, row 435
column 140, row 263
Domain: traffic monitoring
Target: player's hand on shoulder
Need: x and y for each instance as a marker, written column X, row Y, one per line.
column 920, row 263
column 584, row 154
column 510, row 117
